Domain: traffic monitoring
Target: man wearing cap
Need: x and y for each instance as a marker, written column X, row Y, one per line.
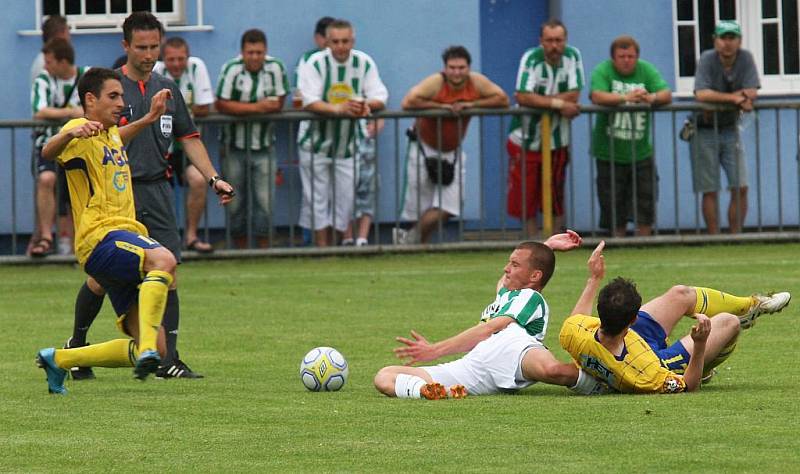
column 725, row 75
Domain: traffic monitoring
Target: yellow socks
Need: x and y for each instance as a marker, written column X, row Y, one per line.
column 114, row 353
column 711, row 302
column 152, row 300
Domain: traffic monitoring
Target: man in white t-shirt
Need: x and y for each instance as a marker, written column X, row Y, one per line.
column 505, row 353
column 191, row 75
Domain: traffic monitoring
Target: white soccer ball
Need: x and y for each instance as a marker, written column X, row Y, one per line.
column 324, row 369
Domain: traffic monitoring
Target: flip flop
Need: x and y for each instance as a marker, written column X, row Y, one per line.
column 42, row 248
column 199, row 246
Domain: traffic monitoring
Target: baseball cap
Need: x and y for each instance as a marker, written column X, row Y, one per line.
column 727, row 27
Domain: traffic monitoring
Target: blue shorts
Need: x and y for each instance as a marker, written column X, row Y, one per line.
column 674, row 357
column 116, row 263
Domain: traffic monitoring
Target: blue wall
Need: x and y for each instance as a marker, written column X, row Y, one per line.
column 405, row 38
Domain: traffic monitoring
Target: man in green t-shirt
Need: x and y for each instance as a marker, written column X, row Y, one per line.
column 628, row 158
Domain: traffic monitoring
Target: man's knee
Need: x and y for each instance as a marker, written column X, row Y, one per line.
column 46, row 179
column 385, row 379
column 160, row 259
column 95, row 287
column 727, row 323
column 682, row 293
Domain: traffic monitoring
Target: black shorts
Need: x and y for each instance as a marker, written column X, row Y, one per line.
column 40, row 165
column 646, row 183
column 155, row 208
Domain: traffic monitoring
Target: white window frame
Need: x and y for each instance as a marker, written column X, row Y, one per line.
column 112, row 23
column 749, row 17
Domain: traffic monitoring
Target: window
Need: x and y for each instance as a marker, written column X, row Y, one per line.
column 83, row 14
column 769, row 31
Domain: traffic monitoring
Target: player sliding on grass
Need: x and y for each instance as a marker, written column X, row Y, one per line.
column 626, row 346
column 505, row 353
column 111, row 246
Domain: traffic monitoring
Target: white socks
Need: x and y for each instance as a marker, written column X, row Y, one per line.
column 408, row 386
column 588, row 385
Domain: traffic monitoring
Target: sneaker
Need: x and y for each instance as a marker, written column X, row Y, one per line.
column 764, row 304
column 64, row 246
column 348, row 242
column 399, row 236
column 79, row 373
column 55, row 374
column 360, row 242
column 458, row 391
column 146, row 364
column 177, row 370
column 433, row 391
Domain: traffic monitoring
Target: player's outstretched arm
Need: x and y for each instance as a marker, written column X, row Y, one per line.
column 597, row 270
column 158, row 105
column 419, row 349
column 58, row 142
column 694, row 370
column 565, row 241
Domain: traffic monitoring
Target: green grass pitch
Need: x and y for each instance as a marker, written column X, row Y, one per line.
column 247, row 324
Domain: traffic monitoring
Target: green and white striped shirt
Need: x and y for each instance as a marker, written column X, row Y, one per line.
column 194, row 83
column 537, row 76
column 49, row 91
column 322, row 78
column 239, row 84
column 526, row 306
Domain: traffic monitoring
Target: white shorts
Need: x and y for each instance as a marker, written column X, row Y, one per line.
column 421, row 194
column 493, row 366
column 331, row 196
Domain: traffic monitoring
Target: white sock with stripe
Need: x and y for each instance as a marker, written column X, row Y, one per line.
column 408, row 386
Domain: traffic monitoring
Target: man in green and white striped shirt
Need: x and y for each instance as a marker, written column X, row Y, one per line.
column 54, row 96
column 504, row 353
column 251, row 84
column 550, row 76
column 342, row 83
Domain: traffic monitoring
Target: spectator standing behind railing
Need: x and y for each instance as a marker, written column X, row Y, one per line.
column 297, row 98
column 434, row 181
column 191, row 75
column 725, row 75
column 253, row 83
column 54, row 96
column 343, row 84
column 626, row 79
column 357, row 232
column 55, row 26
column 550, row 76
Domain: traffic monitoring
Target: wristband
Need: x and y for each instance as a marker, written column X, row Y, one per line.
column 213, row 181
column 556, row 103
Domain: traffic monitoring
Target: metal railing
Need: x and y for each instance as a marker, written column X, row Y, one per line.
column 770, row 135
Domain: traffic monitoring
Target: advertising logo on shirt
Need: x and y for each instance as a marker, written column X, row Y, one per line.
column 339, row 93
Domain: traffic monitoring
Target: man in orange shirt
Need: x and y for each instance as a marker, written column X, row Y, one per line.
column 435, row 161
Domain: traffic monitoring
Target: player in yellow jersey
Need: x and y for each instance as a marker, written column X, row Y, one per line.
column 626, row 347
column 111, row 246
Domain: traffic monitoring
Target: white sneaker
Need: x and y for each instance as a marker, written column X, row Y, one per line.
column 360, row 242
column 399, row 236
column 64, row 246
column 765, row 304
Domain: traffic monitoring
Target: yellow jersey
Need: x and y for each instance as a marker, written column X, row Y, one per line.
column 100, row 191
column 637, row 370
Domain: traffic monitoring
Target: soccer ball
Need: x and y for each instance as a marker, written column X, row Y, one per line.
column 324, row 369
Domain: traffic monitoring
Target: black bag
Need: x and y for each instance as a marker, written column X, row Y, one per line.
column 434, row 165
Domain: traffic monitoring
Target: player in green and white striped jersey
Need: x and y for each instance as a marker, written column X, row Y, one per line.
column 191, row 75
column 343, row 83
column 505, row 352
column 54, row 96
column 550, row 76
column 251, row 84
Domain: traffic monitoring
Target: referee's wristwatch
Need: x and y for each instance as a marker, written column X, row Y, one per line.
column 213, row 180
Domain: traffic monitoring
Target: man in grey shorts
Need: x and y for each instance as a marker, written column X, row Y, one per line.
column 726, row 74
column 505, row 352
column 153, row 194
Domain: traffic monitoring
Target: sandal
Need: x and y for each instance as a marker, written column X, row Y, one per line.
column 42, row 248
column 199, row 246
